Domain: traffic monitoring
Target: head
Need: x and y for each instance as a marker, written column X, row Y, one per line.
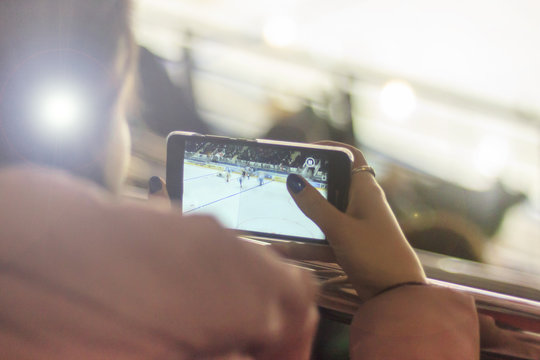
column 66, row 79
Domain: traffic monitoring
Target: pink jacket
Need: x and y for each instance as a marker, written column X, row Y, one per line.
column 84, row 277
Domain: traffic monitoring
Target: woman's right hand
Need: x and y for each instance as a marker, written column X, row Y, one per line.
column 261, row 308
column 367, row 240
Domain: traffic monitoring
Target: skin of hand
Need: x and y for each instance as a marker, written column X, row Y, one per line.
column 276, row 317
column 366, row 240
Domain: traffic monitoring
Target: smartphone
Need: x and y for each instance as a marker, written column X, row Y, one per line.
column 243, row 182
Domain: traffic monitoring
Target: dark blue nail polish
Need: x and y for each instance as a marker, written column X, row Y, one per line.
column 154, row 185
column 295, row 183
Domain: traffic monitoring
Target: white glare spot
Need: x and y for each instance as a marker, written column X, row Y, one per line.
column 280, row 31
column 60, row 110
column 491, row 156
column 397, row 100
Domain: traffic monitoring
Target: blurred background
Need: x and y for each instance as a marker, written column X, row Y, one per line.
column 443, row 98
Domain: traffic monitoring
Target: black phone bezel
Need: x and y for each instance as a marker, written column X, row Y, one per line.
column 339, row 169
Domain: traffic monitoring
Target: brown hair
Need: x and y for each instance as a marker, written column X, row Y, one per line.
column 90, row 40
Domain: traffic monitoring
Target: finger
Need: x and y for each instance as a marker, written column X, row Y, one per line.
column 359, row 158
column 364, row 189
column 297, row 339
column 157, row 188
column 157, row 191
column 365, row 194
column 313, row 204
column 366, row 198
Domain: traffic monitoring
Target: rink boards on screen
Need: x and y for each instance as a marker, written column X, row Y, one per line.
column 266, row 208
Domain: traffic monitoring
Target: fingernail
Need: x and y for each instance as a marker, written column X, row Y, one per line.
column 154, row 184
column 295, row 183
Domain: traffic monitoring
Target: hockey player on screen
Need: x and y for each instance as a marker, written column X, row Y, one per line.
column 261, row 178
column 308, row 169
column 240, row 180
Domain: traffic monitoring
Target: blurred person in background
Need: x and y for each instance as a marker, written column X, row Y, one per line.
column 165, row 106
column 85, row 275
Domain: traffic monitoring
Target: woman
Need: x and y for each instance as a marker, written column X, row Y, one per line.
column 86, row 276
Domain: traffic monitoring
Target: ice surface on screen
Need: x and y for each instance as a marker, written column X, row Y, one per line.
column 245, row 186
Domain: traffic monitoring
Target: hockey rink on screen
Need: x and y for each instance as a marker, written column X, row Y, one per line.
column 266, row 208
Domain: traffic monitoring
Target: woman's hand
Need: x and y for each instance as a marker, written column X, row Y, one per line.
column 157, row 192
column 260, row 307
column 367, row 240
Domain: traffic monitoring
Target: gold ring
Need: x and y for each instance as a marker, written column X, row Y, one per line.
column 363, row 168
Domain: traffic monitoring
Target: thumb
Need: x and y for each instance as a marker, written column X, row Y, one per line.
column 157, row 191
column 313, row 204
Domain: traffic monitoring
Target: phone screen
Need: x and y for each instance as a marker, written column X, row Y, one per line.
column 244, row 185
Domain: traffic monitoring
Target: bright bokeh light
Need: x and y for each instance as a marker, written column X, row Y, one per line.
column 397, row 100
column 491, row 156
column 280, row 31
column 60, row 110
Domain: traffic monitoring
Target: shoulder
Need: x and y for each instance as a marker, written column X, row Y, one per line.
column 55, row 208
column 50, row 196
column 25, row 182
